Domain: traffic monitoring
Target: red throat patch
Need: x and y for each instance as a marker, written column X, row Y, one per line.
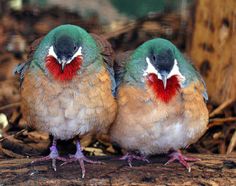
column 172, row 87
column 69, row 71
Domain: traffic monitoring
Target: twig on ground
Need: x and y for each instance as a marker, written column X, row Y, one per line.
column 221, row 107
column 10, row 106
column 18, row 133
column 220, row 121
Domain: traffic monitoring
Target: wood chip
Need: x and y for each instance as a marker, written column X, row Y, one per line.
column 11, row 154
column 232, row 143
column 95, row 151
column 38, row 136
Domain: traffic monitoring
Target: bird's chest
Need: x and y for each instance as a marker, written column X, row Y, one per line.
column 74, row 108
column 160, row 126
column 144, row 104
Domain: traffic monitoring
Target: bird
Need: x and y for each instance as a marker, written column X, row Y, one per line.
column 161, row 101
column 67, row 87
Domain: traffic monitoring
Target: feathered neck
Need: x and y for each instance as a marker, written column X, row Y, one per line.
column 165, row 95
column 69, row 71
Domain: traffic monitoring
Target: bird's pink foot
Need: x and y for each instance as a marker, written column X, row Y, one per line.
column 130, row 157
column 79, row 157
column 52, row 156
column 177, row 155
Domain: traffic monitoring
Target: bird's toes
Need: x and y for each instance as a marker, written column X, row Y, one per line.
column 191, row 159
column 46, row 158
column 92, row 161
column 61, row 159
column 54, row 165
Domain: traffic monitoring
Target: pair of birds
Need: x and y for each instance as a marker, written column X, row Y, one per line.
column 151, row 100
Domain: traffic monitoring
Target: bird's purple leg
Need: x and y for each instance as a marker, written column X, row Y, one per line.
column 79, row 156
column 177, row 155
column 54, row 155
column 129, row 157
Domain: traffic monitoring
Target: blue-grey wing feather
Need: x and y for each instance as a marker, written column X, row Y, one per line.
column 21, row 69
column 119, row 66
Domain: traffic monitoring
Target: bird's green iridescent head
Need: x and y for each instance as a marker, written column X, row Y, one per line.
column 65, row 50
column 159, row 57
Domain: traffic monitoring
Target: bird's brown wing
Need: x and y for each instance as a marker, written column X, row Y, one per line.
column 22, row 67
column 106, row 49
column 119, row 66
column 108, row 57
column 32, row 48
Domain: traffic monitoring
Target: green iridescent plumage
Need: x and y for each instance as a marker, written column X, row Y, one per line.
column 136, row 63
column 92, row 51
column 89, row 48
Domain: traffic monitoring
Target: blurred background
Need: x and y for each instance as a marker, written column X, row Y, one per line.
column 204, row 30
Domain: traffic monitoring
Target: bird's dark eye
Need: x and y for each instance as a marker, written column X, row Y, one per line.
column 154, row 57
column 75, row 48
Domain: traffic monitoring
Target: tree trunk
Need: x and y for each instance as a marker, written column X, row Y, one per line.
column 213, row 47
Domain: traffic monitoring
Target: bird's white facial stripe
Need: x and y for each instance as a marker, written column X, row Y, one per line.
column 51, row 52
column 78, row 53
column 175, row 71
column 150, row 69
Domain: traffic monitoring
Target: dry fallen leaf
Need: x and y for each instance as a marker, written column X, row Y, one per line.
column 94, row 151
column 3, row 123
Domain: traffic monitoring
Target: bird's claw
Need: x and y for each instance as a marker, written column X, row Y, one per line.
column 52, row 156
column 130, row 157
column 177, row 155
column 81, row 159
